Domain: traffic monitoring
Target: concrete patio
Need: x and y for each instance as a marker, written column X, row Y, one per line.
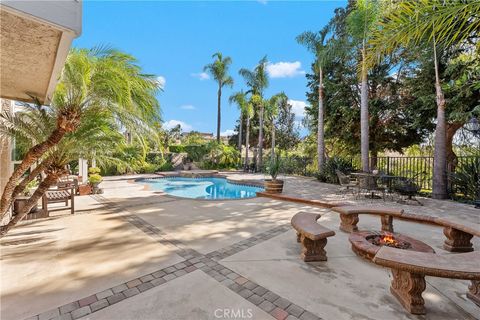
column 133, row 253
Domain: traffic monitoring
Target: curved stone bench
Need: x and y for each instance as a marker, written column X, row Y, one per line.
column 409, row 269
column 311, row 235
column 458, row 236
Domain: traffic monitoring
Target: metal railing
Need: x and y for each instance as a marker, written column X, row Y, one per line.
column 419, row 169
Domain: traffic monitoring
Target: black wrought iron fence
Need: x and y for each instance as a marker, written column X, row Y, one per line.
column 419, row 169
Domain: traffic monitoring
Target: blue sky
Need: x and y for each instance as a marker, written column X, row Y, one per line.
column 174, row 40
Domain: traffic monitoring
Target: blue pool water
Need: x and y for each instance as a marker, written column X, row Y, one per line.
column 202, row 188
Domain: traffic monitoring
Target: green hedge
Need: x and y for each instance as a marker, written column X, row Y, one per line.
column 176, row 148
column 194, row 151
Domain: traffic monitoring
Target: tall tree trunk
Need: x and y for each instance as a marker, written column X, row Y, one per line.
column 67, row 121
column 452, row 129
column 260, row 140
column 440, row 154
column 32, row 155
column 240, row 134
column 273, row 142
column 321, row 128
column 219, row 116
column 51, row 178
column 247, row 142
column 364, row 126
column 35, row 172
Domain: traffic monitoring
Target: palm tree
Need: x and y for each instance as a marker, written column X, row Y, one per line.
column 240, row 99
column 436, row 22
column 271, row 110
column 257, row 80
column 94, row 137
column 219, row 71
column 97, row 79
column 248, row 116
column 315, row 42
column 360, row 22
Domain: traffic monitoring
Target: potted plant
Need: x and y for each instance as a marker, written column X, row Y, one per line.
column 274, row 185
column 94, row 179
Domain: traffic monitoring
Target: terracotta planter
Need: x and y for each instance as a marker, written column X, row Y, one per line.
column 273, row 186
column 84, row 189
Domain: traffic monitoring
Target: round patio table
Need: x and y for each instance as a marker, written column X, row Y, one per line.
column 377, row 176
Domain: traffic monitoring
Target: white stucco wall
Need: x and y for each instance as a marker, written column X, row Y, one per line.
column 66, row 14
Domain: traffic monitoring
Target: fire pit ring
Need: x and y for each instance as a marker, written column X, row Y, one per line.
column 367, row 243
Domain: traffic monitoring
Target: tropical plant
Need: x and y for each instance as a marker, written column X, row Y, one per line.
column 220, row 156
column 438, row 23
column 240, row 99
column 274, row 166
column 316, row 43
column 94, row 136
column 257, row 81
column 466, row 179
column 100, row 82
column 361, row 22
column 329, row 172
column 272, row 110
column 219, row 71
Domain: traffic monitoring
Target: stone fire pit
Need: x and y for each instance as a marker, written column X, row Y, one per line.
column 366, row 243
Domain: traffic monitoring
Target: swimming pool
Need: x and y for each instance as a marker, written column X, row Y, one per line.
column 202, row 188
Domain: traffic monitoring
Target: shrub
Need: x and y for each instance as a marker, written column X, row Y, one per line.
column 176, row 148
column 197, row 152
column 465, row 179
column 166, row 166
column 94, row 178
column 331, row 165
column 148, row 168
column 93, row 170
column 273, row 166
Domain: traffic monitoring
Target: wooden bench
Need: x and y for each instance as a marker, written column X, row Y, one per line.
column 311, row 235
column 409, row 269
column 59, row 195
column 458, row 236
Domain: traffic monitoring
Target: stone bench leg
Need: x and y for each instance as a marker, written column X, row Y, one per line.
column 387, row 223
column 457, row 241
column 407, row 288
column 313, row 250
column 474, row 292
column 349, row 222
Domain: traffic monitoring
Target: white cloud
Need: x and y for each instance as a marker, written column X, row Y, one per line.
column 170, row 124
column 298, row 107
column 228, row 132
column 187, row 107
column 161, row 81
column 201, row 76
column 284, row 69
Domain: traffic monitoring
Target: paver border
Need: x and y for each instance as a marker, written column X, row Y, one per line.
column 270, row 302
